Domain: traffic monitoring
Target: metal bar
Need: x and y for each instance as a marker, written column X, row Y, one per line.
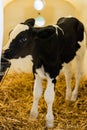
column 4, row 76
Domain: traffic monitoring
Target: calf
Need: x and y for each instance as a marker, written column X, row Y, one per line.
column 51, row 48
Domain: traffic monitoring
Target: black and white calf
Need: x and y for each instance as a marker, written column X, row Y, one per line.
column 51, row 48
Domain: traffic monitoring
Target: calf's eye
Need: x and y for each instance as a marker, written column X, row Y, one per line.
column 22, row 40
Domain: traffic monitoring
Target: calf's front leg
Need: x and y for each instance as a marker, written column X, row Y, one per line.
column 49, row 98
column 37, row 94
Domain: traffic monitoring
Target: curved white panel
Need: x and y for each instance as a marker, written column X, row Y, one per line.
column 1, row 28
column 5, row 2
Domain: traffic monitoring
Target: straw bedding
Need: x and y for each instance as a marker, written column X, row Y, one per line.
column 16, row 97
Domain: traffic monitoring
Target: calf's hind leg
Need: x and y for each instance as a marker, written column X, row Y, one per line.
column 68, row 76
column 78, row 75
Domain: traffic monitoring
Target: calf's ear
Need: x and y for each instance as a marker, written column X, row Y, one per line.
column 30, row 21
column 45, row 33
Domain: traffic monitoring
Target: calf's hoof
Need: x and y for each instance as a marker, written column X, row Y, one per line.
column 33, row 115
column 49, row 121
column 74, row 96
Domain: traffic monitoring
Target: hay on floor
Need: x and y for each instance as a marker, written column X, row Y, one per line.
column 16, row 97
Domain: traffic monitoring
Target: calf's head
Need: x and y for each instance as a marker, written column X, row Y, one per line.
column 19, row 39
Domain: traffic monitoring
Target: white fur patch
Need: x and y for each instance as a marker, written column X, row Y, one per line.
column 19, row 28
column 41, row 72
column 57, row 27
